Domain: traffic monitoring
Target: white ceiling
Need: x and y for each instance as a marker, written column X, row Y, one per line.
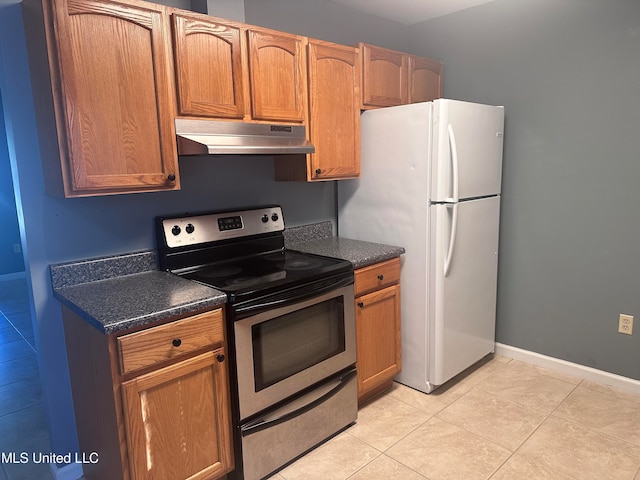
column 410, row 11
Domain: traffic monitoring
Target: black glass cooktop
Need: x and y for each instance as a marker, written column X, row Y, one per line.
column 266, row 271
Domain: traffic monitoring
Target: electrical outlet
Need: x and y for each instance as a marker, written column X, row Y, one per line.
column 625, row 324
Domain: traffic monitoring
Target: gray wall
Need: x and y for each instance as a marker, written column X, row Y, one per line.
column 326, row 20
column 568, row 73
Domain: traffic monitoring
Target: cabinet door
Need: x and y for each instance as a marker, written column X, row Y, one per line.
column 113, row 96
column 425, row 79
column 334, row 99
column 208, row 67
column 277, row 76
column 378, row 338
column 178, row 420
column 384, row 77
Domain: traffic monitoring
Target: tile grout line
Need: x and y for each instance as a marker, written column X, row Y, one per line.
column 19, row 332
column 517, row 449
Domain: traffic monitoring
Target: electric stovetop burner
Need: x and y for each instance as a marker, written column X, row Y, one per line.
column 261, row 272
column 241, row 253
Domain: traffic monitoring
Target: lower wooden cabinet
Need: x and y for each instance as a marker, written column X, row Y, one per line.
column 178, row 420
column 377, row 327
column 153, row 404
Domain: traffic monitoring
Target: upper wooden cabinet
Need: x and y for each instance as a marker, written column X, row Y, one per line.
column 334, row 116
column 425, row 79
column 392, row 78
column 334, row 110
column 209, row 70
column 230, row 70
column 277, row 74
column 384, row 77
column 113, row 97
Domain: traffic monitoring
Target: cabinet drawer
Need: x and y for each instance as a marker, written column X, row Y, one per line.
column 377, row 276
column 157, row 344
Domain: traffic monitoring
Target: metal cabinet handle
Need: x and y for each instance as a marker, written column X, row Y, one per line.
column 361, row 304
column 220, row 358
column 177, row 342
column 380, row 277
column 318, row 171
column 171, row 177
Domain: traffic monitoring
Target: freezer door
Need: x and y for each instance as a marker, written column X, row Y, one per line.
column 463, row 278
column 467, row 150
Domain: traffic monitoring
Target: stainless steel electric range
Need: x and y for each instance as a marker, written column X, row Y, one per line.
column 290, row 328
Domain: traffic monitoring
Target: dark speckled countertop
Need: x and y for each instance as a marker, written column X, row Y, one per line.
column 120, row 292
column 318, row 238
column 359, row 253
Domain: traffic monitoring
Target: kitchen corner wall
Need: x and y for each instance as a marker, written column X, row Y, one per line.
column 568, row 74
column 60, row 230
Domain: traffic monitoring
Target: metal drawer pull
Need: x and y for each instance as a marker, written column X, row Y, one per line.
column 361, row 304
column 177, row 342
column 380, row 277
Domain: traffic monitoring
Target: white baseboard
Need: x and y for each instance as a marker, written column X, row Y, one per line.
column 71, row 471
column 13, row 276
column 569, row 368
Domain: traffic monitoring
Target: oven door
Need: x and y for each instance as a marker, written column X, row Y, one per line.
column 281, row 351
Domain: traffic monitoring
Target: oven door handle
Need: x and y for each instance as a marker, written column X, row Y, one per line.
column 290, row 296
column 299, row 406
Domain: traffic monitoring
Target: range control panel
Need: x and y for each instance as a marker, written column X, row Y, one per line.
column 212, row 227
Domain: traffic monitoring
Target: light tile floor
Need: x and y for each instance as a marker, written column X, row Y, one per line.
column 503, row 420
column 23, row 425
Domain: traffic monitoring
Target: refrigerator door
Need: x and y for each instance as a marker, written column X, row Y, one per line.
column 463, row 276
column 467, row 150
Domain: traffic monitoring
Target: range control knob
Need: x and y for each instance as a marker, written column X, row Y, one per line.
column 176, row 230
column 190, row 228
column 265, row 218
column 275, row 217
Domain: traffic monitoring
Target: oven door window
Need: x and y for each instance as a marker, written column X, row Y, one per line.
column 291, row 343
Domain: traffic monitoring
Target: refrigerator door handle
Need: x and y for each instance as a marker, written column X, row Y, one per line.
column 454, row 163
column 452, row 239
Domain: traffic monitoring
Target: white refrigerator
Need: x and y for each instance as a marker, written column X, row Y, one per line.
column 430, row 182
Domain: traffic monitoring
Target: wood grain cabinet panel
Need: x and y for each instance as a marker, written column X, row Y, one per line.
column 391, row 78
column 334, row 116
column 277, row 76
column 379, row 356
column 425, row 79
column 166, row 417
column 113, row 96
column 178, row 420
column 172, row 340
column 384, row 77
column 334, row 106
column 377, row 276
column 377, row 340
column 209, row 71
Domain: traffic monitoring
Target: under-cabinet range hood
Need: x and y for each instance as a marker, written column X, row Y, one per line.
column 202, row 137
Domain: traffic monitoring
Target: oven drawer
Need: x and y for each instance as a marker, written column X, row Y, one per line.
column 298, row 426
column 377, row 276
column 157, row 344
